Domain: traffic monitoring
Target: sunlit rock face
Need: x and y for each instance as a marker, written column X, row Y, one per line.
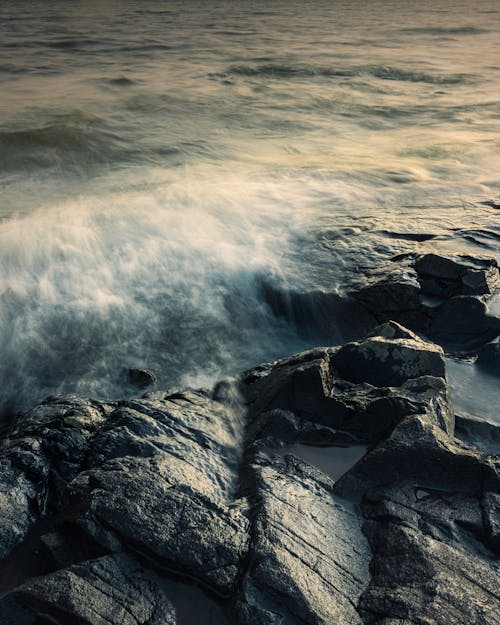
column 296, row 492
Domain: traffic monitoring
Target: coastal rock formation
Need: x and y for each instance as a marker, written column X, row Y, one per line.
column 111, row 589
column 489, row 357
column 104, row 506
column 442, row 297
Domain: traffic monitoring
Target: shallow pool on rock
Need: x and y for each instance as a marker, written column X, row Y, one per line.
column 474, row 392
column 333, row 461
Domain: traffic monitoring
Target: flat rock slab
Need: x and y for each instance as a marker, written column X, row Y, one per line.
column 111, row 589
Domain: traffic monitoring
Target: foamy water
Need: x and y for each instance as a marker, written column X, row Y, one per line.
column 159, row 161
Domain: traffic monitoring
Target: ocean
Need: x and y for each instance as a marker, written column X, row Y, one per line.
column 163, row 163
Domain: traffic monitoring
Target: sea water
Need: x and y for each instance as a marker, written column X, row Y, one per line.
column 161, row 161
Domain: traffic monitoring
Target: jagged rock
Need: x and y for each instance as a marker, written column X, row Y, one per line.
column 327, row 387
column 205, row 485
column 446, row 276
column 141, row 378
column 464, row 321
column 385, row 361
column 398, row 290
column 301, row 384
column 429, row 562
column 41, row 453
column 160, row 482
column 414, row 451
column 489, row 356
column 111, row 589
column 440, row 296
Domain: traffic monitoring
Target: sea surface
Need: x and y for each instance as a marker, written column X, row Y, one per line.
column 161, row 161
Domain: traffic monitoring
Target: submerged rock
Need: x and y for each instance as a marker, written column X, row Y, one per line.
column 489, row 357
column 141, row 378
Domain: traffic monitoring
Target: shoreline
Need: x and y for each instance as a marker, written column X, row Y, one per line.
column 237, row 491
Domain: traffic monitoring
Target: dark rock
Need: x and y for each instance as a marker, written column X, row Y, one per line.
column 385, row 361
column 489, row 356
column 451, row 267
column 428, row 566
column 319, row 313
column 463, row 321
column 112, row 589
column 413, row 452
column 141, row 378
column 302, row 384
column 447, row 276
column 396, row 291
column 316, row 580
column 206, row 486
column 41, row 453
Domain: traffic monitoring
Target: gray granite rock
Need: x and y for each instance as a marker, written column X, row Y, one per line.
column 207, row 486
column 111, row 589
column 40, row 454
column 382, row 361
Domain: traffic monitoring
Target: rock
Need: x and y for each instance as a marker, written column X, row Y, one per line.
column 480, row 282
column 427, row 565
column 398, row 290
column 141, row 378
column 463, row 322
column 41, row 453
column 382, row 361
column 160, row 481
column 413, row 451
column 489, row 356
column 301, row 384
column 318, row 581
column 451, row 267
column 111, row 589
column 446, row 276
column 204, row 485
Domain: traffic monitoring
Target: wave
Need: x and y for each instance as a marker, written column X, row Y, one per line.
column 168, row 279
column 71, row 140
column 383, row 72
column 440, row 31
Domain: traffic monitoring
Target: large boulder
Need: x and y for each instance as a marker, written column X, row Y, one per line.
column 308, row 549
column 384, row 361
column 160, row 482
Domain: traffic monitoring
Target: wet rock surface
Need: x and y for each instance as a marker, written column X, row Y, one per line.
column 108, row 507
column 444, row 297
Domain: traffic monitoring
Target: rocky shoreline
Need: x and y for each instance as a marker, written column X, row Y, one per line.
column 198, row 506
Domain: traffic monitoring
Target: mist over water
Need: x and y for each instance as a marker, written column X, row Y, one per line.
column 160, row 162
